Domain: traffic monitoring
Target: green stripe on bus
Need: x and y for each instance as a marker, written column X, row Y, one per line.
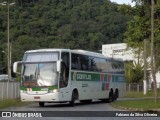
column 53, row 87
column 83, row 76
column 23, row 88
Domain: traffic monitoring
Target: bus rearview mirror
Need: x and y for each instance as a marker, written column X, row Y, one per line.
column 15, row 67
column 58, row 66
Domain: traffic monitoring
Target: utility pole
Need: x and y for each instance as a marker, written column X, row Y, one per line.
column 8, row 46
column 8, row 41
column 153, row 67
column 145, row 69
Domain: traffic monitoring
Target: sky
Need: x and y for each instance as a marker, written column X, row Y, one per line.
column 123, row 2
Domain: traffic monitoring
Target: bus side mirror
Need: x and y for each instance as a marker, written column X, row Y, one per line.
column 59, row 66
column 15, row 66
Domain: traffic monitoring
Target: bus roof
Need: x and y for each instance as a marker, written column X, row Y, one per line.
column 79, row 51
column 46, row 50
column 87, row 53
column 95, row 54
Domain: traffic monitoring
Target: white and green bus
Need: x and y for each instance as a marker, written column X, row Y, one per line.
column 64, row 75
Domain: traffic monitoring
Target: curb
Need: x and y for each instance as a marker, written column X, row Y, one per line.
column 154, row 110
column 128, row 109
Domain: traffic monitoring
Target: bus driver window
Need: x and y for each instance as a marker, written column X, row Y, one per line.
column 64, row 70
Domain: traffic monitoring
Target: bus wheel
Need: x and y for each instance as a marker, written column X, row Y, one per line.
column 111, row 96
column 41, row 104
column 74, row 97
column 116, row 94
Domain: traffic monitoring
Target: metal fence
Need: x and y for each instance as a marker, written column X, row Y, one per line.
column 130, row 87
column 138, row 87
column 9, row 90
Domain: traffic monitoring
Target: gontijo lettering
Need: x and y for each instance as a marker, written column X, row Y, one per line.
column 83, row 76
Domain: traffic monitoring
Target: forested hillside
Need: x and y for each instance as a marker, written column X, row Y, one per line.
column 74, row 24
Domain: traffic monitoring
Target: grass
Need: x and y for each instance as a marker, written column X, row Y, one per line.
column 12, row 102
column 142, row 105
column 150, row 93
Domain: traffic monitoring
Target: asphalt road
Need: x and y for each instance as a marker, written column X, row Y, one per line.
column 94, row 109
column 94, row 106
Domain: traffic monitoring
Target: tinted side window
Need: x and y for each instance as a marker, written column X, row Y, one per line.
column 75, row 62
column 84, row 61
column 80, row 62
column 89, row 63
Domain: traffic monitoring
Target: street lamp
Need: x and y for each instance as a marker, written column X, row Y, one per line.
column 8, row 42
column 5, row 53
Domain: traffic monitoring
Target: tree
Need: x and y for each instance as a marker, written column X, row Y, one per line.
column 143, row 27
column 134, row 72
column 153, row 65
column 74, row 24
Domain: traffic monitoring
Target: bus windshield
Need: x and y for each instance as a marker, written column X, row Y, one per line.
column 39, row 74
column 39, row 69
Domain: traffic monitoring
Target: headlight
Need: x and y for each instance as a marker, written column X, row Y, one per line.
column 53, row 91
column 22, row 91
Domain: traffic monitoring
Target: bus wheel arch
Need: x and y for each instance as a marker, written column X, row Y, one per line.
column 74, row 96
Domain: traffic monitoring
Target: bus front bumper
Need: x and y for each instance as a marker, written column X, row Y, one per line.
column 48, row 97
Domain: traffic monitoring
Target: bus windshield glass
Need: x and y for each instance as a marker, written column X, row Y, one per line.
column 40, row 74
column 39, row 69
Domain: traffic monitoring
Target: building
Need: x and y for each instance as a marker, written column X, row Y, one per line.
column 121, row 50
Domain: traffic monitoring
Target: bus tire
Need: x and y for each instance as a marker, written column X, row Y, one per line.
column 73, row 98
column 41, row 104
column 116, row 94
column 111, row 96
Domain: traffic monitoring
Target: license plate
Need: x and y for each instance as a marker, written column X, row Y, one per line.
column 36, row 97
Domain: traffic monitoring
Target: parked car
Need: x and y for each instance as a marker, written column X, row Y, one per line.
column 4, row 77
